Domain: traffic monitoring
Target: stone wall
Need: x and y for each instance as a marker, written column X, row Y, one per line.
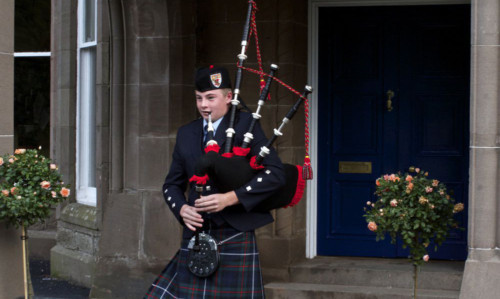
column 482, row 268
column 11, row 257
column 7, row 77
column 74, row 256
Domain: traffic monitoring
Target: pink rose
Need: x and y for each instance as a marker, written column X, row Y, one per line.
column 1, row 161
column 53, row 166
column 409, row 187
column 417, row 170
column 11, row 160
column 372, row 226
column 20, row 151
column 13, row 190
column 54, row 194
column 393, row 178
column 394, row 203
column 435, row 183
column 65, row 192
column 428, row 189
column 409, row 178
column 425, row 258
column 368, row 203
column 5, row 192
column 45, row 185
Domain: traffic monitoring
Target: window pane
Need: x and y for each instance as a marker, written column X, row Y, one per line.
column 32, row 103
column 32, row 26
column 87, row 118
column 89, row 34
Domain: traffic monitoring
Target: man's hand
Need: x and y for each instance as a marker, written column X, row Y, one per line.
column 215, row 202
column 191, row 217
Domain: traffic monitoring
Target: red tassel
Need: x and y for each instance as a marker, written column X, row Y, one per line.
column 299, row 191
column 212, row 148
column 262, row 85
column 254, row 164
column 307, row 172
column 239, row 151
column 199, row 180
column 227, row 155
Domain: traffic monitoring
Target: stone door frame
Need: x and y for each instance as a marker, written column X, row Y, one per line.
column 312, row 64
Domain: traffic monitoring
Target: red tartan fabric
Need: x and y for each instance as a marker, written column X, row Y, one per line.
column 238, row 275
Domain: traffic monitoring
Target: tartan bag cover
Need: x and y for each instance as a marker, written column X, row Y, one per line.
column 238, row 275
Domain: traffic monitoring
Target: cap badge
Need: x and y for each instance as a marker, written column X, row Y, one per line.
column 216, row 79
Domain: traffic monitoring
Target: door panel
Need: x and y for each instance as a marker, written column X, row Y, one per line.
column 422, row 54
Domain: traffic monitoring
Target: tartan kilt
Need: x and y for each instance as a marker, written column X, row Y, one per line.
column 238, row 275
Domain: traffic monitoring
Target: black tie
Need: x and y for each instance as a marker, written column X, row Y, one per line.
column 205, row 134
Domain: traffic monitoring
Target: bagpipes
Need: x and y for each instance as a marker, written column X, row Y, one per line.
column 232, row 169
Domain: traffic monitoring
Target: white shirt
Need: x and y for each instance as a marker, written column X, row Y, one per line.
column 214, row 124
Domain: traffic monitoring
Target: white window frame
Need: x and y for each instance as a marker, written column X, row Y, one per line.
column 32, row 54
column 86, row 193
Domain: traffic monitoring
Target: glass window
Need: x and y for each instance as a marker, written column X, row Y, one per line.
column 32, row 103
column 86, row 124
column 87, row 116
column 32, row 74
column 32, row 26
column 89, row 20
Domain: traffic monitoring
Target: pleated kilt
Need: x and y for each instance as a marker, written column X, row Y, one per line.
column 238, row 275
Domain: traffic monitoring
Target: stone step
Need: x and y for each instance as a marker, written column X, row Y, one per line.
column 378, row 272
column 324, row 291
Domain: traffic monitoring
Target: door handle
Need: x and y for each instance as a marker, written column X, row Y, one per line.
column 390, row 95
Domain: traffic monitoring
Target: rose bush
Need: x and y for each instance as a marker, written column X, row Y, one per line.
column 414, row 208
column 30, row 184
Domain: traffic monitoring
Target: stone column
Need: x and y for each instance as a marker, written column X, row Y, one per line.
column 6, row 76
column 482, row 268
column 11, row 259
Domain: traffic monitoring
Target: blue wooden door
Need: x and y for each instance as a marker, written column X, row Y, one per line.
column 418, row 55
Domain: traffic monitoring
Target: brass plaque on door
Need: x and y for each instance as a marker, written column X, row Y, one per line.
column 355, row 167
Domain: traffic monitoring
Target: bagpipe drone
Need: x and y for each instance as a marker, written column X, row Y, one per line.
column 231, row 169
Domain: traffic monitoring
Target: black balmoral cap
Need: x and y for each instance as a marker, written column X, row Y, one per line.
column 209, row 78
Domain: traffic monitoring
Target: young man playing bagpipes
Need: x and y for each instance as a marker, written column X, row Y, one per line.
column 218, row 257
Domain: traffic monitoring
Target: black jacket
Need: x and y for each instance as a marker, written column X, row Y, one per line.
column 189, row 148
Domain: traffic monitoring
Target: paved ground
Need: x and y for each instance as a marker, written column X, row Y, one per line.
column 47, row 287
